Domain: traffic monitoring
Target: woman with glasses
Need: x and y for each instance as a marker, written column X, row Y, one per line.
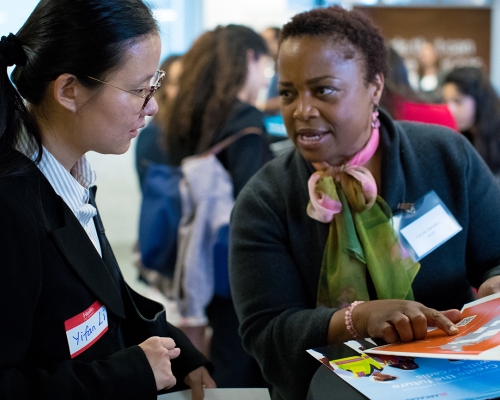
column 84, row 79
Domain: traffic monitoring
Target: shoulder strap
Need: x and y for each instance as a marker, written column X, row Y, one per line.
column 231, row 139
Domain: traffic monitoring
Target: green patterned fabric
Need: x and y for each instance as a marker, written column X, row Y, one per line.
column 361, row 242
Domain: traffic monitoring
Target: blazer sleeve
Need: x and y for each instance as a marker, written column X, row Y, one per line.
column 125, row 374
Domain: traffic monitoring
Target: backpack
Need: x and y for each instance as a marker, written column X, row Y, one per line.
column 159, row 218
column 184, row 227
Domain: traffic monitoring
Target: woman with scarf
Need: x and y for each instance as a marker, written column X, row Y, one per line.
column 315, row 258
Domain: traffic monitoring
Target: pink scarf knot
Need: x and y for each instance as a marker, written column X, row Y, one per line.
column 357, row 182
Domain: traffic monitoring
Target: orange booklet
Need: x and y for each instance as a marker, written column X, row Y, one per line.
column 478, row 337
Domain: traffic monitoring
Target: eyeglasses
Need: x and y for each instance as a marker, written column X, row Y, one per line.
column 146, row 94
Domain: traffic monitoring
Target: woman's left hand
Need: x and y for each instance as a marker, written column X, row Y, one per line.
column 197, row 380
column 490, row 286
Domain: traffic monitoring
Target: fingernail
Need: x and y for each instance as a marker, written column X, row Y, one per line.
column 454, row 329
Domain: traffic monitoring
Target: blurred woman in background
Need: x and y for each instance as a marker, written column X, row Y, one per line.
column 476, row 107
column 222, row 75
column 403, row 103
column 429, row 72
column 150, row 147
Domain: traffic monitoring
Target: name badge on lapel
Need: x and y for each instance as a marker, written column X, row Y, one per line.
column 86, row 328
column 425, row 225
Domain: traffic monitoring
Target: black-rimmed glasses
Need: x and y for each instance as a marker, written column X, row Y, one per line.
column 146, row 94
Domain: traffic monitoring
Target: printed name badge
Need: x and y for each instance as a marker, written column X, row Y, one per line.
column 425, row 226
column 84, row 329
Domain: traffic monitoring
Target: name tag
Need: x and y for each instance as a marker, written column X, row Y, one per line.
column 429, row 231
column 84, row 329
column 427, row 226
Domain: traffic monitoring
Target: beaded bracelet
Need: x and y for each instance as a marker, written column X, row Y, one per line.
column 348, row 319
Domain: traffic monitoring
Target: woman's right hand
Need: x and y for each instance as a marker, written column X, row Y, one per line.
column 401, row 320
column 159, row 351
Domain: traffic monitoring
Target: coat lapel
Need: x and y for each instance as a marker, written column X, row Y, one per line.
column 107, row 252
column 79, row 251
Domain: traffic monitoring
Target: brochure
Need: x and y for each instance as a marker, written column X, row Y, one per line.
column 462, row 366
column 478, row 337
column 382, row 377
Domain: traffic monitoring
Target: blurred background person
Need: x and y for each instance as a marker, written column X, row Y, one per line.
column 476, row 107
column 150, row 147
column 271, row 102
column 429, row 73
column 271, row 36
column 403, row 103
column 222, row 75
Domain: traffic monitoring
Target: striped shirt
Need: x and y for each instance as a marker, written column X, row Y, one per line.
column 72, row 187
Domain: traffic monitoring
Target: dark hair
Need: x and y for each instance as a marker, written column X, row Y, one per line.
column 214, row 71
column 346, row 28
column 275, row 30
column 474, row 82
column 397, row 86
column 80, row 37
column 161, row 95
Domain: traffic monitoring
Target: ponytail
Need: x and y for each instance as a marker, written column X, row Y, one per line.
column 13, row 112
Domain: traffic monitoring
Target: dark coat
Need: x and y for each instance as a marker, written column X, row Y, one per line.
column 50, row 272
column 277, row 249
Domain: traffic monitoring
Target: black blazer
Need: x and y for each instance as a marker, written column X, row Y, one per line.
column 49, row 272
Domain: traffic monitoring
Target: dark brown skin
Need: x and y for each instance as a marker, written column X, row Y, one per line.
column 327, row 108
column 393, row 321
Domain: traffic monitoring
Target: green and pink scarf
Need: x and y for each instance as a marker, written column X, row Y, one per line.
column 361, row 239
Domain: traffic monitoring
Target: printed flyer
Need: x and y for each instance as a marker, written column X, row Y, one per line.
column 382, row 377
column 459, row 367
column 478, row 337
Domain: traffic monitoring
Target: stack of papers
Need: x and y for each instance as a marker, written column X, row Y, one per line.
column 463, row 366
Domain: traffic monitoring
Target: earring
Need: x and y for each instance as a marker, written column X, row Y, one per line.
column 375, row 120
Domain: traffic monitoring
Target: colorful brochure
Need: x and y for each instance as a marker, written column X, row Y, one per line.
column 459, row 367
column 478, row 337
column 382, row 377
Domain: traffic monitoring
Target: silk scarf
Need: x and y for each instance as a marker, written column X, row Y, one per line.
column 361, row 237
